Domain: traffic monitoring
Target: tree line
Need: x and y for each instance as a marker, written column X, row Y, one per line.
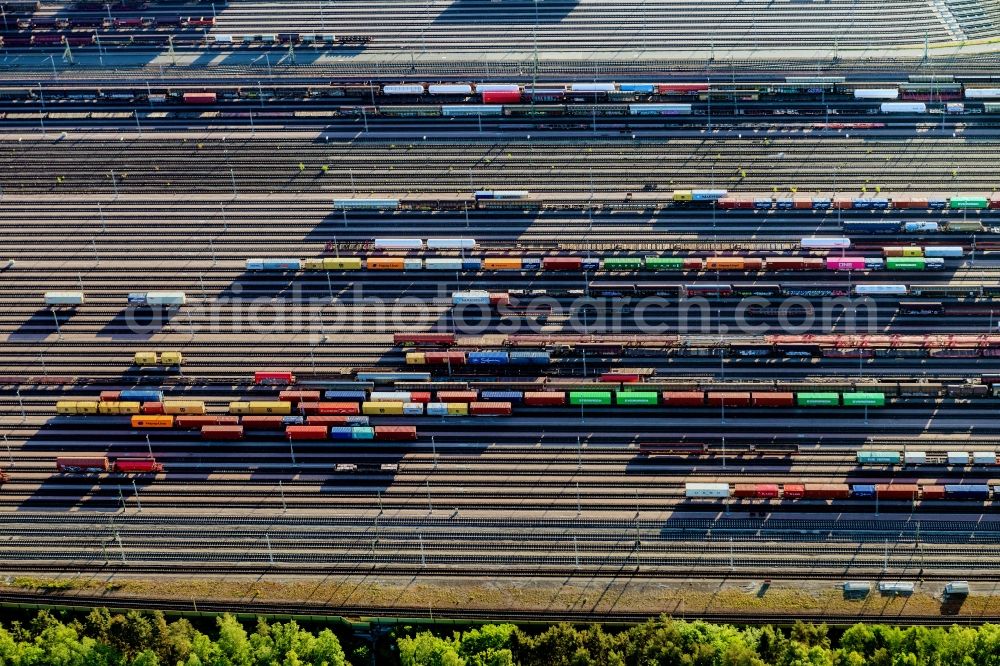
column 148, row 639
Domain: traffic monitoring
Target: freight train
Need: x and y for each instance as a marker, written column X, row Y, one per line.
column 839, row 491
column 96, row 464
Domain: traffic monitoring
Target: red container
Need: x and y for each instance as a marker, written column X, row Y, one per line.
column 299, row 396
column 82, row 464
column 544, row 398
column 198, row 421
column 152, row 408
column 994, row 202
column 718, row 398
column 562, row 263
column 623, row 377
column 897, row 491
column 457, row 396
column 306, row 432
column 422, row 397
column 692, row 264
column 794, row 491
column 683, row 398
column 273, row 377
column 500, row 298
column 932, row 492
column 199, row 98
column 423, row 338
column 773, row 399
column 681, row 88
column 226, row 432
column 200, row 21
column 765, row 490
column 802, row 203
column 813, row 264
column 332, row 408
column 110, row 396
column 455, row 358
column 48, row 40
column 137, row 466
column 489, row 408
column 502, row 97
column 326, row 420
column 395, row 433
column 745, row 490
column 784, row 263
column 752, row 264
column 263, row 422
column 826, row 491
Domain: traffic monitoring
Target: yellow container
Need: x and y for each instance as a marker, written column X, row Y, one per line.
column 313, row 264
column 239, row 408
column 386, row 408
column 270, row 407
column 458, row 409
column 171, row 358
column 66, row 407
column 343, row 264
column 385, row 263
column 145, row 358
column 87, row 406
column 913, row 252
column 501, row 264
column 724, row 263
column 118, row 408
column 415, row 358
column 183, row 407
column 683, row 195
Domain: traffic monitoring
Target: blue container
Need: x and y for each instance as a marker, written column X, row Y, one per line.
column 763, row 204
column 281, row 264
column 860, row 490
column 292, row 420
column 872, row 226
column 529, row 358
column 471, row 264
column 590, row 263
column 501, row 396
column 880, row 204
column 362, row 432
column 137, row 298
column 531, row 263
column 140, row 395
column 973, row 491
column 784, row 204
column 357, row 420
column 637, row 87
column 346, row 396
column 341, row 432
column 821, row 204
column 487, row 358
column 937, row 204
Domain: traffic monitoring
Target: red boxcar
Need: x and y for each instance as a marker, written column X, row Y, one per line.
column 756, row 490
column 735, row 203
column 306, row 432
column 794, row 491
column 897, row 491
column 681, row 88
column 499, row 298
column 423, row 338
column 200, row 21
column 48, row 40
column 691, row 264
column 457, row 396
column 228, row 432
column 751, row 264
column 623, row 377
column 562, row 263
column 78, row 40
column 330, row 408
column 490, row 408
column 152, row 408
column 324, row 420
column 813, row 264
column 826, row 491
column 137, row 466
column 110, row 396
column 773, row 399
column 420, row 396
column 455, row 358
column 299, row 396
column 198, row 421
column 544, row 398
column 395, row 433
column 502, row 97
column 932, row 492
column 994, row 202
column 70, row 464
column 683, row 398
column 263, row 422
column 199, row 98
column 784, row 264
column 273, row 377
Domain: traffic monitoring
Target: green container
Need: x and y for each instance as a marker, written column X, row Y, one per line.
column 362, row 432
column 622, row 263
column 905, row 263
column 646, row 398
column 864, row 400
column 878, row 457
column 817, row 399
column 664, row 263
column 969, row 202
column 590, row 398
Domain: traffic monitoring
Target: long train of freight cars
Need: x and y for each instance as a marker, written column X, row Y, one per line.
column 835, row 491
column 909, row 259
column 126, row 29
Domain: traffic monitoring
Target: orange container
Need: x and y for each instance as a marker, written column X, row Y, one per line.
column 385, row 263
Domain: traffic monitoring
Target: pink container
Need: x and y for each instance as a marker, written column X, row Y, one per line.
column 845, row 264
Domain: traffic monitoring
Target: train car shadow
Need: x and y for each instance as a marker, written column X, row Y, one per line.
column 262, row 286
column 39, row 326
column 473, row 14
column 137, row 323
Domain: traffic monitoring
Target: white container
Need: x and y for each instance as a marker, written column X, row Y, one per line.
column 497, row 87
column 446, row 264
column 592, row 87
column 389, row 396
column 706, row 490
column 406, row 89
column 413, row 408
column 451, row 243
column 449, row 89
column 223, row 39
column 166, row 298
column 958, row 458
column 945, row 251
column 398, row 244
column 896, row 588
column 984, row 458
column 880, row 289
column 954, row 107
column 982, row 93
column 957, row 588
column 876, row 93
column 915, row 457
column 904, row 107
column 64, row 298
column 825, row 243
column 413, row 264
column 437, row 409
column 470, row 297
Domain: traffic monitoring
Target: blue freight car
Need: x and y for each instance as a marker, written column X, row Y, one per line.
column 973, row 491
column 346, row 396
column 487, row 358
column 862, row 490
column 501, row 396
column 529, row 358
column 140, row 395
column 872, row 226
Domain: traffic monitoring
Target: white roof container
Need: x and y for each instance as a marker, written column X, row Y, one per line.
column 706, row 490
column 895, row 588
column 497, row 87
column 876, row 93
column 885, row 289
column 915, row 457
column 443, row 263
column 412, row 264
column 398, row 244
column 405, row 89
column 984, row 458
column 592, row 87
column 449, row 89
column 475, row 297
column 958, row 458
column 904, row 107
column 825, row 243
column 957, row 588
column 982, row 93
column 451, row 243
column 166, row 298
column 64, row 298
